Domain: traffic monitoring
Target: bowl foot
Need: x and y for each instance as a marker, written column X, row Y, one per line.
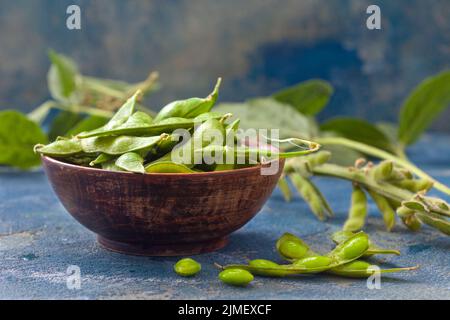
column 163, row 250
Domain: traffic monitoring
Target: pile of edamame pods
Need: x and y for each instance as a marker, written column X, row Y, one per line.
column 345, row 260
column 135, row 142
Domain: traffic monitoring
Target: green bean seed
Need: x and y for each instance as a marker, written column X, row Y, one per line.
column 272, row 269
column 187, row 267
column 313, row 262
column 236, row 277
column 292, row 247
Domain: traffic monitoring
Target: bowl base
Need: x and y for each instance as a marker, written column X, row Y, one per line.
column 163, row 250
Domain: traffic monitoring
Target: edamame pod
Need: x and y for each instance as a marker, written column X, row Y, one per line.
column 358, row 210
column 189, row 108
column 341, row 236
column 167, row 167
column 60, row 148
column 363, row 269
column 385, row 208
column 312, row 196
column 284, row 188
column 117, row 145
column 131, row 161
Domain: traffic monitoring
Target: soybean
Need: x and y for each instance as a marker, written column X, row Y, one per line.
column 187, row 267
column 236, row 277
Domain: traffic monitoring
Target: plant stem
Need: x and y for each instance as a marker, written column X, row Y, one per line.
column 387, row 190
column 375, row 152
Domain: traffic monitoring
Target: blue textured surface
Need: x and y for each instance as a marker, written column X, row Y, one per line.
column 258, row 47
column 39, row 240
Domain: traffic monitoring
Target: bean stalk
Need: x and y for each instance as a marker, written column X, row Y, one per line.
column 381, row 154
column 408, row 204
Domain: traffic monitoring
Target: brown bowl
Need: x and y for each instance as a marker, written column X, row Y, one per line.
column 161, row 214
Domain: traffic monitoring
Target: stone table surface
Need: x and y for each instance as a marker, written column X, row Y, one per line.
column 39, row 240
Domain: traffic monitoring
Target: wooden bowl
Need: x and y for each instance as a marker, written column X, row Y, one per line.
column 161, row 214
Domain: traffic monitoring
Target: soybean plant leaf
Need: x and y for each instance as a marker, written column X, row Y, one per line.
column 18, row 135
column 426, row 101
column 87, row 124
column 358, row 130
column 62, row 123
column 62, row 77
column 267, row 113
column 307, row 97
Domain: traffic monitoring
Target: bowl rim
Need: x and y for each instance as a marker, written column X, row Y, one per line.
column 164, row 174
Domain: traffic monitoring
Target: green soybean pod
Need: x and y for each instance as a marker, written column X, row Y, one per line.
column 236, row 277
column 414, row 185
column 318, row 158
column 409, row 218
column 187, row 267
column 60, row 148
column 351, row 249
column 312, row 196
column 273, row 269
column 383, row 171
column 358, row 210
column 341, row 236
column 167, row 167
column 363, row 269
column 189, row 108
column 385, row 208
column 118, row 145
column 101, row 158
column 284, row 188
column 131, row 161
column 119, row 118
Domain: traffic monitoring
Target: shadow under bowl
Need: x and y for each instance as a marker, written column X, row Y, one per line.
column 161, row 214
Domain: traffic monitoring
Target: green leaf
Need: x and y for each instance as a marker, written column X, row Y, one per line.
column 358, row 130
column 62, row 77
column 62, row 123
column 18, row 135
column 267, row 113
column 307, row 97
column 426, row 101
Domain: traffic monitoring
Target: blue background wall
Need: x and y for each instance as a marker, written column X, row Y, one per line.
column 258, row 46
